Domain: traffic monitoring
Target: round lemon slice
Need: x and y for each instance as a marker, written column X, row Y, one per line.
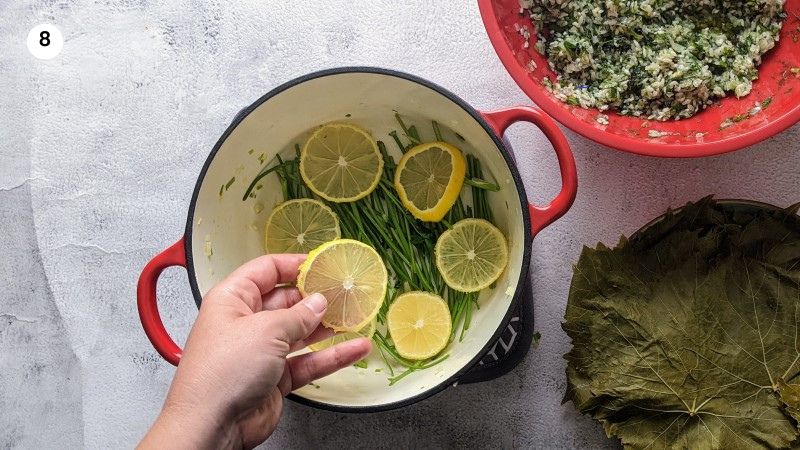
column 428, row 179
column 341, row 162
column 420, row 325
column 366, row 332
column 352, row 276
column 471, row 255
column 299, row 226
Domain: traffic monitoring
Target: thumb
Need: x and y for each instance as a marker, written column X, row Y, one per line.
column 297, row 323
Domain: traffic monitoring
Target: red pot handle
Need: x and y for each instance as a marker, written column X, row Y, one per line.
column 542, row 216
column 147, row 302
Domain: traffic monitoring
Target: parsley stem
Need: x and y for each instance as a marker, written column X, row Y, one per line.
column 437, row 131
column 481, row 184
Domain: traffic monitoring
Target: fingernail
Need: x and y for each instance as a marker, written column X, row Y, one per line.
column 317, row 303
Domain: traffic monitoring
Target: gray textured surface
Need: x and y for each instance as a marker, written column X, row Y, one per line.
column 99, row 150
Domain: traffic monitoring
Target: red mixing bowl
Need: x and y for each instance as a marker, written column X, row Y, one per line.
column 722, row 127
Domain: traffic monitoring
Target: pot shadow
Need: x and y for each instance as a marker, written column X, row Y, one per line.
column 481, row 415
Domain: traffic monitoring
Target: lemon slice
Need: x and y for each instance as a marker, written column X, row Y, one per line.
column 428, row 179
column 471, row 255
column 420, row 324
column 299, row 226
column 341, row 162
column 366, row 332
column 352, row 276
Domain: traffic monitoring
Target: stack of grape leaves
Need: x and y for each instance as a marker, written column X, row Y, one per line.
column 686, row 334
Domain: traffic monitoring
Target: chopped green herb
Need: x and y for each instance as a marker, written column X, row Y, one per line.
column 650, row 58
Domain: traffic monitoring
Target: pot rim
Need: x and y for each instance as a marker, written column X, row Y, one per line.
column 478, row 117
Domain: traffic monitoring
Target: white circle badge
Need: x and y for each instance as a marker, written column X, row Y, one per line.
column 45, row 41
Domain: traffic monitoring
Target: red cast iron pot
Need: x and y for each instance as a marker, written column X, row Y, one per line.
column 234, row 229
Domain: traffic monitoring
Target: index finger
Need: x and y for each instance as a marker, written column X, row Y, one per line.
column 268, row 271
column 308, row 367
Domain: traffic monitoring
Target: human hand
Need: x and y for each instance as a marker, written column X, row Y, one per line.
column 229, row 386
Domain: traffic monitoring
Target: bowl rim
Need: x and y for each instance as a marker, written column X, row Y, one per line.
column 555, row 109
column 504, row 152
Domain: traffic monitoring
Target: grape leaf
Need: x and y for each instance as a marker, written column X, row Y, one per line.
column 686, row 334
column 790, row 397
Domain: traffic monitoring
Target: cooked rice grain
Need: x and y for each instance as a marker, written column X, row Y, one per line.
column 659, row 59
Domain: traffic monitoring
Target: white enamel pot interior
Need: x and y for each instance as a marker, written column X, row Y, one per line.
column 232, row 229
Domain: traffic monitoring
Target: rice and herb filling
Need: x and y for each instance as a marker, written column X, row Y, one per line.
column 659, row 59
